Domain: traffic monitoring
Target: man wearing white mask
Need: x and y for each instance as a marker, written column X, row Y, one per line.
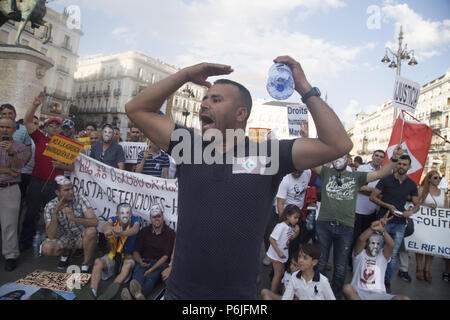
column 121, row 232
column 107, row 151
column 337, row 212
column 371, row 258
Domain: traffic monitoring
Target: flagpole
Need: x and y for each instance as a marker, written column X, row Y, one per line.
column 403, row 125
column 443, row 138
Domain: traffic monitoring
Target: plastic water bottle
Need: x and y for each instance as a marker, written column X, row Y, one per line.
column 310, row 219
column 280, row 84
column 36, row 244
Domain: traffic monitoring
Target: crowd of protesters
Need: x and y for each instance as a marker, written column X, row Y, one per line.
column 312, row 204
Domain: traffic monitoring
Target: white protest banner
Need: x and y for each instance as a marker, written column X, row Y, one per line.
column 297, row 119
column 132, row 149
column 406, row 94
column 105, row 187
column 431, row 232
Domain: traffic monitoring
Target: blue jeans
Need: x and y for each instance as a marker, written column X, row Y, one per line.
column 341, row 237
column 396, row 231
column 148, row 282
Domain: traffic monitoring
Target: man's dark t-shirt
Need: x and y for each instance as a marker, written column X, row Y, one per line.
column 396, row 193
column 112, row 156
column 223, row 211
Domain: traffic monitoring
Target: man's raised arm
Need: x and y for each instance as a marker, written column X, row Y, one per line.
column 143, row 109
column 31, row 111
column 332, row 142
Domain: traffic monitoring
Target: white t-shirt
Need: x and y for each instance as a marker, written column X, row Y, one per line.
column 368, row 272
column 294, row 190
column 281, row 233
column 363, row 204
column 172, row 168
column 286, row 278
column 318, row 288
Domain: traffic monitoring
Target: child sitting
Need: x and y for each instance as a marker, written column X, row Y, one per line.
column 308, row 283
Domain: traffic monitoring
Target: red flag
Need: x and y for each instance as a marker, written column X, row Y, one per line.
column 415, row 140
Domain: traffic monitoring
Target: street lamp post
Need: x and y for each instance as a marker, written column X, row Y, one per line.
column 402, row 54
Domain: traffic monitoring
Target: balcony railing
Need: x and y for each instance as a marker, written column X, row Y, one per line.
column 107, row 93
column 117, row 92
column 91, row 94
column 58, row 94
column 85, row 94
column 99, row 93
column 79, row 94
column 67, row 47
column 62, row 69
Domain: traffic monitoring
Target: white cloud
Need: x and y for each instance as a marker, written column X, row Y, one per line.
column 126, row 35
column 427, row 38
column 245, row 34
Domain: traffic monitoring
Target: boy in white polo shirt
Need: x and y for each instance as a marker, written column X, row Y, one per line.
column 308, row 283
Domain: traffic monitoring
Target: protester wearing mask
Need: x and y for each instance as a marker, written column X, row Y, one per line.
column 337, row 212
column 107, row 151
column 371, row 258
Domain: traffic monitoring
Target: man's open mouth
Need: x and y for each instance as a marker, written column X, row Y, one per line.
column 207, row 121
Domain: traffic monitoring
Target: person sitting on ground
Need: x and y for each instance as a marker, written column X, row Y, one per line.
column 70, row 223
column 121, row 232
column 151, row 253
column 266, row 294
column 370, row 261
column 308, row 283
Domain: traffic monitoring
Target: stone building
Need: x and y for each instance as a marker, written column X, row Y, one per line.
column 62, row 49
column 105, row 83
column 372, row 131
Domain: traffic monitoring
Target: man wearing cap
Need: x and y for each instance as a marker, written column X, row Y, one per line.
column 70, row 223
column 42, row 186
column 152, row 250
column 68, row 130
column 107, row 151
column 12, row 159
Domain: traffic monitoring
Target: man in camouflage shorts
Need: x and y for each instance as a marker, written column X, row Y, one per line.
column 70, row 223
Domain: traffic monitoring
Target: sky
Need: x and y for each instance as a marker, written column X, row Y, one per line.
column 339, row 43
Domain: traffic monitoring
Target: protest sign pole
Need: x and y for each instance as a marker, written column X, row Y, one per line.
column 403, row 125
column 48, row 178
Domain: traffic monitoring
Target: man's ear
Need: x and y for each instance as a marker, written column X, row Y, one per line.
column 241, row 114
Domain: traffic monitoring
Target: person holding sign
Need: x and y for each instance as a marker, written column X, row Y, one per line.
column 431, row 196
column 41, row 189
column 153, row 161
column 219, row 234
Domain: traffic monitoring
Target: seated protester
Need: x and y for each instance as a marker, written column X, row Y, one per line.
column 70, row 223
column 152, row 249
column 308, row 283
column 121, row 232
column 370, row 261
column 267, row 294
column 153, row 161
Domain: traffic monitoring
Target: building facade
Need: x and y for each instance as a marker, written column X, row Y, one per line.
column 105, row 83
column 370, row 132
column 62, row 49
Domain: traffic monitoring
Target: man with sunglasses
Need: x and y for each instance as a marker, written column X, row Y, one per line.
column 41, row 189
column 337, row 212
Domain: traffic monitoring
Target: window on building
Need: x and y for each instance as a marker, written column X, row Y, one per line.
column 446, row 122
column 4, row 36
column 66, row 43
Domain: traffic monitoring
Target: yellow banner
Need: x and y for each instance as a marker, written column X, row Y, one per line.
column 86, row 141
column 63, row 149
